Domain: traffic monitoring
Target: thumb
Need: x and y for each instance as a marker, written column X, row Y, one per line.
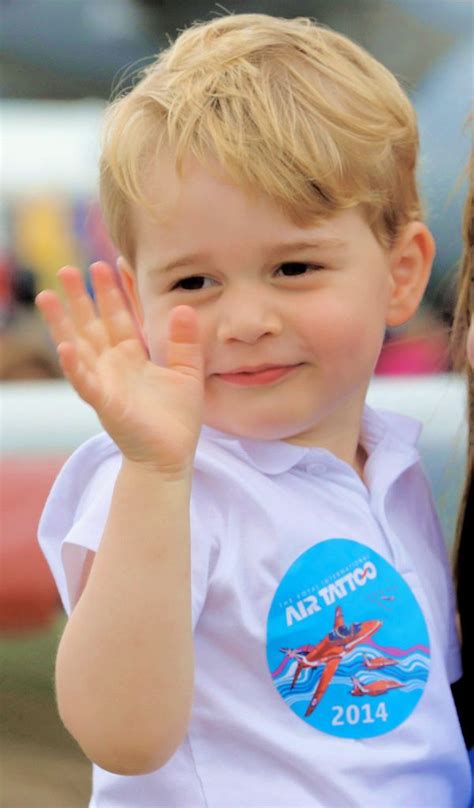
column 184, row 349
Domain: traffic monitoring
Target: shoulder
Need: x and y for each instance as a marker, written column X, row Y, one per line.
column 392, row 428
column 76, row 510
column 99, row 453
column 94, row 465
column 87, row 479
column 78, row 503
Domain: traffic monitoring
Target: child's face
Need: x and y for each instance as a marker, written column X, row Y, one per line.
column 312, row 300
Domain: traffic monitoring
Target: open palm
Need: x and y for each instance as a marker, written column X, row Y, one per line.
column 153, row 413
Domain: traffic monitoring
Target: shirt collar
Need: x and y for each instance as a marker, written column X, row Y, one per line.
column 378, row 428
column 388, row 428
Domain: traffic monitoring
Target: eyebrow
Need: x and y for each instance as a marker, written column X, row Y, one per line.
column 181, row 262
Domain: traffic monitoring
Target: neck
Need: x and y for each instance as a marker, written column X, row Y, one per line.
column 340, row 435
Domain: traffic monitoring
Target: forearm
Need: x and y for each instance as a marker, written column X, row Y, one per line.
column 125, row 662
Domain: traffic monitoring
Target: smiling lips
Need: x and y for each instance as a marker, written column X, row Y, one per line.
column 264, row 374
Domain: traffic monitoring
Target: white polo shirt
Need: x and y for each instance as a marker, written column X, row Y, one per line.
column 324, row 626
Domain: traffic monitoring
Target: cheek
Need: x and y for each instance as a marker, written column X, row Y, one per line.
column 347, row 327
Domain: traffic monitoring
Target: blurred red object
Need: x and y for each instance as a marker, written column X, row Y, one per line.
column 422, row 355
column 28, row 594
column 5, row 287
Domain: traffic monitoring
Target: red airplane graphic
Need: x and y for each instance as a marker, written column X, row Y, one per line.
column 377, row 662
column 373, row 688
column 330, row 651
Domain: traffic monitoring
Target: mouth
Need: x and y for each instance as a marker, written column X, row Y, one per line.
column 263, row 374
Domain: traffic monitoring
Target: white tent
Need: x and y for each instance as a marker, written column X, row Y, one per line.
column 50, row 146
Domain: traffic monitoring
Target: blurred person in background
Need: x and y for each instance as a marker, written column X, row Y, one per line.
column 26, row 350
column 25, row 354
column 463, row 354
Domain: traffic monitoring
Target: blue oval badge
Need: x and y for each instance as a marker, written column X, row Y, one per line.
column 347, row 644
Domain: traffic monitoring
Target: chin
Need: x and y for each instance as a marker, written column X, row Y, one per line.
column 262, row 430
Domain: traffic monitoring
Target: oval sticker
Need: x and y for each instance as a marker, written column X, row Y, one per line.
column 347, row 644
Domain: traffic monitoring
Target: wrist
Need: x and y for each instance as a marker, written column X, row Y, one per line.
column 146, row 471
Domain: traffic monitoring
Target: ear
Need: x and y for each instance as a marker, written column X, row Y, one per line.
column 410, row 266
column 128, row 278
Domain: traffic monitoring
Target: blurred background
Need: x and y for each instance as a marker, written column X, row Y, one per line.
column 61, row 61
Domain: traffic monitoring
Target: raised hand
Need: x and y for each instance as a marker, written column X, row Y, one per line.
column 153, row 413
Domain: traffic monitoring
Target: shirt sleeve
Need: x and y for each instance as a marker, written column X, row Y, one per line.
column 76, row 513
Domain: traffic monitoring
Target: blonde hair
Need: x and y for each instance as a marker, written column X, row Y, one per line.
column 463, row 314
column 463, row 543
column 287, row 107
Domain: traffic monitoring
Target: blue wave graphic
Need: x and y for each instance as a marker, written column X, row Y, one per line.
column 410, row 671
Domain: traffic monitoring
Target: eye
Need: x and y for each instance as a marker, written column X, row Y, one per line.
column 291, row 268
column 192, row 284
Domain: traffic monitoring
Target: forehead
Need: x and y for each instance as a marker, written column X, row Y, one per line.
column 202, row 210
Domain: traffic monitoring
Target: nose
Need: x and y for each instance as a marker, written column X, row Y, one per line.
column 248, row 318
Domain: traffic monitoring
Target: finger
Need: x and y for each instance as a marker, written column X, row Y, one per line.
column 112, row 304
column 77, row 372
column 59, row 324
column 184, row 349
column 82, row 309
column 62, row 328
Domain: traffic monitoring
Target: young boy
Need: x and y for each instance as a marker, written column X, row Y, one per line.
column 261, row 612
